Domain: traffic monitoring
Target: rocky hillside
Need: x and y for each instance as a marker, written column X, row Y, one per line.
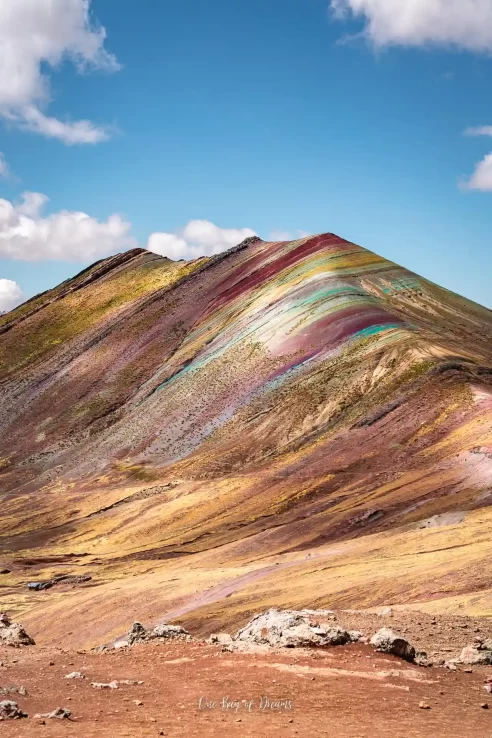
column 300, row 423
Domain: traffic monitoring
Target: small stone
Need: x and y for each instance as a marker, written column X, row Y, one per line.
column 138, row 702
column 59, row 713
column 74, row 675
column 484, row 706
column 424, row 706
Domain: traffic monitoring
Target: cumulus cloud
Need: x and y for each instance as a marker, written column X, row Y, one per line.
column 465, row 24
column 10, row 295
column 67, row 235
column 197, row 238
column 481, row 178
column 38, row 35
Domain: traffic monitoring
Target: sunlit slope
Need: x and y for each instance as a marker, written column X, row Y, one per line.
column 273, row 400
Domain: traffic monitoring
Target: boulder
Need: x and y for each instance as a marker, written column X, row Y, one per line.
column 168, row 631
column 294, row 629
column 476, row 654
column 10, row 711
column 386, row 641
column 139, row 634
column 13, row 634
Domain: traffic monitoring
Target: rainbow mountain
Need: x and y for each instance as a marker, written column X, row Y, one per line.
column 295, row 423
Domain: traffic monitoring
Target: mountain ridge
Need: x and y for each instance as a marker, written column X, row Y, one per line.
column 277, row 399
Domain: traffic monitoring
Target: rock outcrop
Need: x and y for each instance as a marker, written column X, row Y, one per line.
column 295, row 628
column 139, row 634
column 13, row 634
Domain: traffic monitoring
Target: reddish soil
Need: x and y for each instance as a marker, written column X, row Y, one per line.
column 347, row 692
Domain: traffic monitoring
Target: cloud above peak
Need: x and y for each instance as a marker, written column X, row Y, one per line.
column 465, row 24
column 27, row 235
column 36, row 35
column 197, row 238
column 10, row 295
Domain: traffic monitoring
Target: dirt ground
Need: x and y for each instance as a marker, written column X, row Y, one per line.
column 194, row 689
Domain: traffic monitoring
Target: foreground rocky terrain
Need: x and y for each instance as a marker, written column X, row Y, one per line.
column 183, row 686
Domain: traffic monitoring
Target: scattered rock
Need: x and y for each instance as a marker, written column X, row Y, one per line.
column 386, row 641
column 383, row 611
column 62, row 579
column 13, row 690
column 38, row 586
column 356, row 636
column 74, row 675
column 479, row 653
column 219, row 638
column 424, row 706
column 421, row 659
column 13, row 634
column 295, row 629
column 10, row 711
column 103, row 685
column 484, row 706
column 60, row 713
column 130, row 682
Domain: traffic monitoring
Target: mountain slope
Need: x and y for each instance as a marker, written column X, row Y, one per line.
column 268, row 402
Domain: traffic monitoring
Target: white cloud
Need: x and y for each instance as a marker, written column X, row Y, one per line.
column 197, row 238
column 481, row 178
column 479, row 131
column 70, row 236
column 40, row 34
column 4, row 167
column 10, row 295
column 466, row 24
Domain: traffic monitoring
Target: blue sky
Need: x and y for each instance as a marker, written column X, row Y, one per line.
column 260, row 115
